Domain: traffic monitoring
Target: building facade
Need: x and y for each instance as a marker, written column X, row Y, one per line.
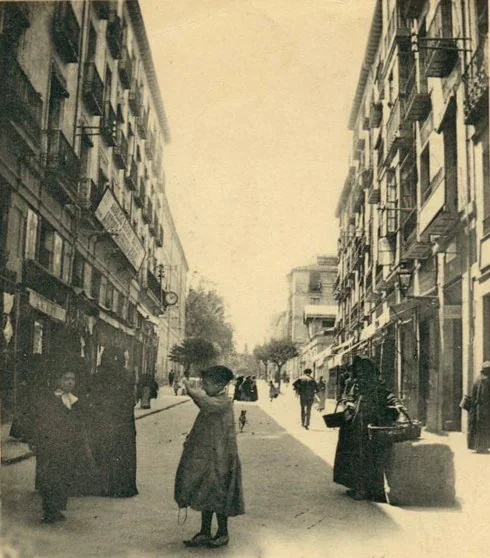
column 89, row 254
column 413, row 283
column 310, row 286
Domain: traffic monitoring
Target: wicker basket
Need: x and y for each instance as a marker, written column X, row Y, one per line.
column 335, row 419
column 398, row 432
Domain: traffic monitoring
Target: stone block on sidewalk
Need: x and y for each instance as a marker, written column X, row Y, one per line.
column 420, row 473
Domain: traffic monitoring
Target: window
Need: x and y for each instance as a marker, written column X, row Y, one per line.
column 67, row 254
column 314, row 300
column 108, row 84
column 78, row 270
column 425, row 173
column 95, row 285
column 103, row 290
column 315, row 283
column 109, row 295
column 92, row 44
column 31, row 235
column 57, row 262
column 87, row 279
column 39, row 337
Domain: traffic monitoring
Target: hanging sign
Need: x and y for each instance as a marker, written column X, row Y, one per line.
column 47, row 306
column 115, row 222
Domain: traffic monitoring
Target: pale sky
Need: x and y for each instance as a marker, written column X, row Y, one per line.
column 258, row 95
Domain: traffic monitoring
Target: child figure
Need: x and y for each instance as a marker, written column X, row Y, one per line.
column 56, row 439
column 209, row 476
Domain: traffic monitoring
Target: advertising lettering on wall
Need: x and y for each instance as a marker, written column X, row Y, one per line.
column 114, row 221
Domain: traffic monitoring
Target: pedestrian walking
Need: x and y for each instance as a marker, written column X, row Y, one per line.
column 273, row 391
column 305, row 387
column 254, row 393
column 58, row 440
column 237, row 395
column 321, row 393
column 171, row 377
column 209, row 477
column 359, row 461
column 479, row 412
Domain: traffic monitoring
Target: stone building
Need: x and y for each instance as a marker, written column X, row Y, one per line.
column 413, row 285
column 89, row 254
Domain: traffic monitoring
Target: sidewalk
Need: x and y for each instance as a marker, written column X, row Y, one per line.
column 472, row 487
column 14, row 451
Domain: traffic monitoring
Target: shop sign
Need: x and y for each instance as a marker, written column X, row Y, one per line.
column 452, row 311
column 47, row 306
column 114, row 221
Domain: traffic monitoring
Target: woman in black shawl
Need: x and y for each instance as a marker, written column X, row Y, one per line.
column 479, row 413
column 359, row 461
column 112, row 428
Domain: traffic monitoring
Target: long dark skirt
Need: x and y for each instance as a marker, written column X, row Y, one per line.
column 359, row 462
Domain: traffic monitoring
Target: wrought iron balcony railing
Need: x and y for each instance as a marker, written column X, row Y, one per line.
column 66, row 31
column 93, row 89
column 125, row 68
column 476, row 84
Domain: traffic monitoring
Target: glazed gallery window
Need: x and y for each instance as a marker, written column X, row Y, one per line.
column 31, row 235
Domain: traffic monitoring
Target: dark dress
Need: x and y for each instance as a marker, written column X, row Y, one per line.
column 62, row 460
column 479, row 415
column 112, row 432
column 209, row 473
column 359, row 461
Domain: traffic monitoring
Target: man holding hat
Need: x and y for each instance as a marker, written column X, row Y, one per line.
column 479, row 412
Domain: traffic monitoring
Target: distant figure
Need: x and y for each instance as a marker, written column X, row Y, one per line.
column 273, row 391
column 479, row 412
column 147, row 390
column 254, row 394
column 246, row 389
column 237, row 395
column 171, row 377
column 305, row 387
column 209, row 476
column 321, row 393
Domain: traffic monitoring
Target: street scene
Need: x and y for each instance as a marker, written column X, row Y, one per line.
column 244, row 288
column 292, row 506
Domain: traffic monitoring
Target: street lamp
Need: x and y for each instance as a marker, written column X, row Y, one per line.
column 404, row 279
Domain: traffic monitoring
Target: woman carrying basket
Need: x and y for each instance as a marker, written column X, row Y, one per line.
column 359, row 461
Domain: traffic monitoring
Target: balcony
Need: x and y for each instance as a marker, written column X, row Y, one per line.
column 397, row 134
column 374, row 196
column 476, row 85
column 109, row 124
column 142, row 124
column 154, row 286
column 62, row 165
column 20, row 104
column 66, row 32
column 104, row 8
column 93, row 89
column 120, row 150
column 135, row 99
column 438, row 213
column 149, row 208
column 397, row 30
column 15, row 18
column 442, row 50
column 412, row 247
column 367, row 177
column 413, row 8
column 417, row 98
column 159, row 236
column 144, row 209
column 89, row 194
column 375, row 115
column 132, row 175
column 150, row 147
column 114, row 36
column 139, row 194
column 125, row 68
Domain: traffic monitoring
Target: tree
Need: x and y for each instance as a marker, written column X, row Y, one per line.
column 279, row 351
column 205, row 318
column 261, row 354
column 193, row 351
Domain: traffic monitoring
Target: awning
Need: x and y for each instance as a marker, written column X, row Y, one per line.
column 323, row 356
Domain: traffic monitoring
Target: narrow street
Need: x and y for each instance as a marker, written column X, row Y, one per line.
column 293, row 507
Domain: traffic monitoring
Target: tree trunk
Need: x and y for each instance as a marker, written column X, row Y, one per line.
column 279, row 368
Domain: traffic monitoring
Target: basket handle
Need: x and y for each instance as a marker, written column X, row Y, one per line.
column 403, row 412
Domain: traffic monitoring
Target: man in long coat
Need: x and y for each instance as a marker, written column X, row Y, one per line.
column 479, row 413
